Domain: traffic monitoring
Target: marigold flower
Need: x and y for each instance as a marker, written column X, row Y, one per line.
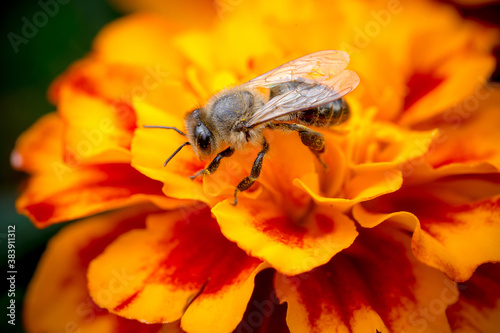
column 399, row 233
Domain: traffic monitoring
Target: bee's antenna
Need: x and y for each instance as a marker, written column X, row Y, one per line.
column 166, row 127
column 175, row 152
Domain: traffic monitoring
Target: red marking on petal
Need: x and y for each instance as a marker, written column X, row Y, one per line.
column 283, row 229
column 94, row 188
column 419, row 85
column 430, row 209
column 127, row 301
column 251, row 64
column 325, row 223
column 192, row 166
column 122, row 325
column 462, row 156
column 123, row 176
column 491, row 206
column 289, row 232
column 374, row 272
column 42, row 211
column 85, row 85
column 126, row 115
column 202, row 255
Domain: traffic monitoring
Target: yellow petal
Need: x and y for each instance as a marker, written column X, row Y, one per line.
column 97, row 130
column 66, row 193
column 469, row 131
column 374, row 285
column 432, row 93
column 378, row 156
column 450, row 216
column 190, row 13
column 40, row 146
column 185, row 268
column 57, row 299
column 151, row 148
column 143, row 40
column 290, row 246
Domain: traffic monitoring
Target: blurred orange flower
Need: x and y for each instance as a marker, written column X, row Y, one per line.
column 389, row 238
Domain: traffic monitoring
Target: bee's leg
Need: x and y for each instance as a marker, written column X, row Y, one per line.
column 315, row 141
column 214, row 165
column 254, row 174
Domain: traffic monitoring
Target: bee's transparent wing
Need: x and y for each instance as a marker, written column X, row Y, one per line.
column 305, row 96
column 309, row 68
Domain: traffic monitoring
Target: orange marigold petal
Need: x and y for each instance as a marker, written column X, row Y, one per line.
column 190, row 13
column 38, row 147
column 185, row 266
column 375, row 142
column 378, row 155
column 478, row 307
column 374, row 285
column 151, row 148
column 57, row 299
column 433, row 66
column 470, row 131
column 59, row 192
column 290, row 246
column 97, row 130
column 115, row 84
column 140, row 39
column 440, row 240
column 434, row 91
column 445, row 213
column 447, row 59
column 66, row 193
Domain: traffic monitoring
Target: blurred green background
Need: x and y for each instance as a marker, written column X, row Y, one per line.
column 26, row 75
column 66, row 37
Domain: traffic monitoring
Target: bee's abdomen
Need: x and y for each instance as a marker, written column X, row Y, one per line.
column 330, row 114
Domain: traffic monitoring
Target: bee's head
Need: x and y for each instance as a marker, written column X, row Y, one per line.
column 199, row 136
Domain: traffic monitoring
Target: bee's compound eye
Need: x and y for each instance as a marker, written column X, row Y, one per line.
column 204, row 141
column 203, row 138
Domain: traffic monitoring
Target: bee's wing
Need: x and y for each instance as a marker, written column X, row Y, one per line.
column 309, row 68
column 306, row 96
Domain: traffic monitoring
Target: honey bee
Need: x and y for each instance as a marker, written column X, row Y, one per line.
column 304, row 92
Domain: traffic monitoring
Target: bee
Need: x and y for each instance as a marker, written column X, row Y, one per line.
column 304, row 92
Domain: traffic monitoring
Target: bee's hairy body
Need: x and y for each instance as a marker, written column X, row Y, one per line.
column 303, row 92
column 228, row 109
